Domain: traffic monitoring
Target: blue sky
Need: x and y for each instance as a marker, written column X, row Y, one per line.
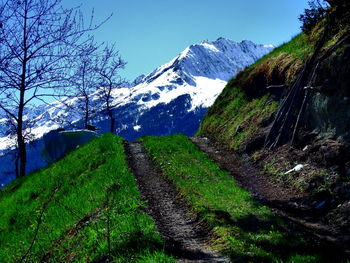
column 149, row 33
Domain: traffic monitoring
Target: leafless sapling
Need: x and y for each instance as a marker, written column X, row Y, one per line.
column 108, row 65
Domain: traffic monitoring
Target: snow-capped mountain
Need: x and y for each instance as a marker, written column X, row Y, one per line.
column 173, row 98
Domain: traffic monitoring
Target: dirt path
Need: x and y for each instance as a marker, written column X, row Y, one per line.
column 185, row 238
column 284, row 202
column 246, row 175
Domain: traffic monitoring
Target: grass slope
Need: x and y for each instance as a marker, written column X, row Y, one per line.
column 242, row 228
column 84, row 208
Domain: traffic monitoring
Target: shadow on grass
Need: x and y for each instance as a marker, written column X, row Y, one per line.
column 272, row 240
column 248, row 223
column 136, row 244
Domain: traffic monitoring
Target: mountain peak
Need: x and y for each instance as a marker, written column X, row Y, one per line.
column 220, row 59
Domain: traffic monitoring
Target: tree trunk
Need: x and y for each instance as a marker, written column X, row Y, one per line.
column 22, row 154
column 20, row 138
column 86, row 118
column 109, row 109
column 112, row 128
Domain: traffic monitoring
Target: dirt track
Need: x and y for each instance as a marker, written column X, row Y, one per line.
column 284, row 202
column 185, row 237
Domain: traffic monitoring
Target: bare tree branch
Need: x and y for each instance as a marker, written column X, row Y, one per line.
column 39, row 41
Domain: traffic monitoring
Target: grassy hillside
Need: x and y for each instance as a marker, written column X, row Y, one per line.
column 241, row 114
column 242, row 228
column 83, row 208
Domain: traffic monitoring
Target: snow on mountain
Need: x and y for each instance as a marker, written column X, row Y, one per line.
column 173, row 98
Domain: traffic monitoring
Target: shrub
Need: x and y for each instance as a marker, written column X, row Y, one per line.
column 312, row 15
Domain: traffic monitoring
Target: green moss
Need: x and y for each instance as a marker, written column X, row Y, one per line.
column 272, row 169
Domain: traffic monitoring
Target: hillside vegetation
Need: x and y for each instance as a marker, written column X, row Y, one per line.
column 84, row 208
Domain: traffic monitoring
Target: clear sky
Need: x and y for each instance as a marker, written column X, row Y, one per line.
column 149, row 33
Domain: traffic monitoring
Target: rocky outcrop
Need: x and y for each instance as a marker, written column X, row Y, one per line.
column 328, row 111
column 59, row 143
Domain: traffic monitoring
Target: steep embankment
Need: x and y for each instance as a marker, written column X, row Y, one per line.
column 84, row 208
column 317, row 165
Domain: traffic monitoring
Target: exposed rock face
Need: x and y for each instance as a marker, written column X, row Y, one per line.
column 329, row 109
column 57, row 144
column 44, row 151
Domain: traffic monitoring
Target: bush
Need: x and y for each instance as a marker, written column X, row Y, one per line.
column 312, row 15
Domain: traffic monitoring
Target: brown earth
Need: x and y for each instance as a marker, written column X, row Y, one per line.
column 185, row 236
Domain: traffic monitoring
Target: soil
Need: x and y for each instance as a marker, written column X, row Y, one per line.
column 284, row 201
column 185, row 236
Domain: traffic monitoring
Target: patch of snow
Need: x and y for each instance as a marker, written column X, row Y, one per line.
column 207, row 91
column 210, row 47
column 183, row 54
column 5, row 143
column 137, row 127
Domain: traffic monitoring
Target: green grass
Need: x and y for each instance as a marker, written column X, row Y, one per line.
column 78, row 204
column 239, row 121
column 299, row 47
column 242, row 228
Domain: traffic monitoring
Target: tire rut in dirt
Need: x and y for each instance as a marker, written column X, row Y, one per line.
column 185, row 238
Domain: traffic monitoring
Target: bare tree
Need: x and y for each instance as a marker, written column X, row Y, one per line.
column 84, row 83
column 107, row 67
column 38, row 40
